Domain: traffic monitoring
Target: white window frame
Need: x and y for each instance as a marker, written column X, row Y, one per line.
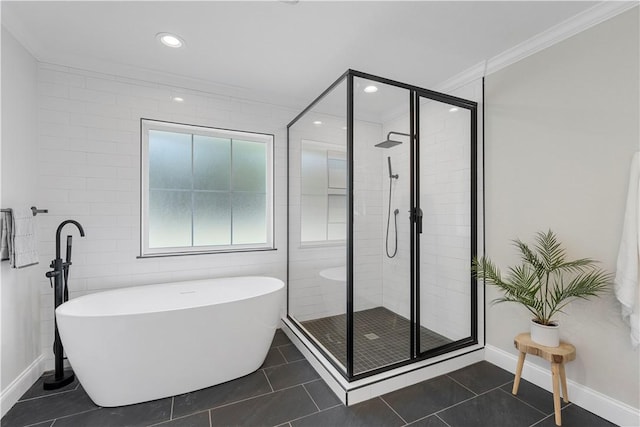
column 149, row 124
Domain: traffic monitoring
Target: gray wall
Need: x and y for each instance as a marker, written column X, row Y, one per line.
column 561, row 128
column 20, row 315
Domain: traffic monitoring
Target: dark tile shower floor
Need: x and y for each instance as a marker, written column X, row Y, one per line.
column 287, row 392
column 381, row 338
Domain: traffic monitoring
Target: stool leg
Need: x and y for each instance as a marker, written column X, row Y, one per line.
column 555, row 378
column 516, row 381
column 563, row 378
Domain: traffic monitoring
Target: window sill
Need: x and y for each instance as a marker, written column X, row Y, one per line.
column 226, row 251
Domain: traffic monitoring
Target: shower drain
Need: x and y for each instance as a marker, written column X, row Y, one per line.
column 371, row 336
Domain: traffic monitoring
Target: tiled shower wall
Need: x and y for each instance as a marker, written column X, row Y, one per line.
column 89, row 170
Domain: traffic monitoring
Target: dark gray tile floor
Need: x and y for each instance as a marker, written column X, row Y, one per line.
column 287, row 392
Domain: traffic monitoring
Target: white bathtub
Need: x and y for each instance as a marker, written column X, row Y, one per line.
column 143, row 343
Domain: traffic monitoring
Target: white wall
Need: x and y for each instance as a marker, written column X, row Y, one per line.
column 561, row 127
column 20, row 339
column 88, row 167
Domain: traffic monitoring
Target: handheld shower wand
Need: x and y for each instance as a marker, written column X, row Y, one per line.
column 391, row 175
column 395, row 215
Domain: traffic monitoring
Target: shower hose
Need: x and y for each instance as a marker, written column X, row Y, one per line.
column 395, row 225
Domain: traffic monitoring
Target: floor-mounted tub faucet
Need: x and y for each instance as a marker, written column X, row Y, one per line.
column 60, row 275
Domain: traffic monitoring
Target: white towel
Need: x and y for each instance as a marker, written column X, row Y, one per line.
column 25, row 243
column 6, row 227
column 626, row 283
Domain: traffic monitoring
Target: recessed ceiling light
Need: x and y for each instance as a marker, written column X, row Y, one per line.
column 317, row 122
column 170, row 40
column 453, row 109
column 371, row 89
column 178, row 99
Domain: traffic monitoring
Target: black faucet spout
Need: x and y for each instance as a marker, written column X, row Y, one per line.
column 62, row 224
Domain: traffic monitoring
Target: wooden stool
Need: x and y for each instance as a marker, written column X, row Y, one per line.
column 558, row 356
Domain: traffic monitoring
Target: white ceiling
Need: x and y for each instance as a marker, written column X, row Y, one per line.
column 289, row 51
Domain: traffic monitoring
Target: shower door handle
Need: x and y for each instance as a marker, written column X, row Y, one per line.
column 416, row 217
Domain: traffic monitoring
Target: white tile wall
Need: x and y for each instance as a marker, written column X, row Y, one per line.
column 89, row 157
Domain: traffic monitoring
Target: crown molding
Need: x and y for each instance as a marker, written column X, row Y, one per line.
column 583, row 21
column 589, row 18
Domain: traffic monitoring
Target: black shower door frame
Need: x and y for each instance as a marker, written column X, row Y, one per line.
column 415, row 94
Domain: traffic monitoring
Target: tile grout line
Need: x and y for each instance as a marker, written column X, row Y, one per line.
column 72, row 415
column 251, row 397
column 268, row 382
column 394, row 411
column 526, row 403
column 177, row 418
column 552, row 414
column 286, row 361
column 539, row 421
column 440, row 418
column 45, row 396
column 230, row 403
column 261, row 395
column 495, row 388
column 451, row 406
column 311, row 397
column 275, row 366
column 52, row 420
column 462, row 385
column 313, row 413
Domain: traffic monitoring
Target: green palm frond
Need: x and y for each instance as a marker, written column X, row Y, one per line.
column 528, row 256
column 550, row 250
column 539, row 282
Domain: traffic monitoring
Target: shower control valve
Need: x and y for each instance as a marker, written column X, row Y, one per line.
column 416, row 217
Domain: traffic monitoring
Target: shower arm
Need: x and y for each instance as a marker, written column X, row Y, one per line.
column 397, row 133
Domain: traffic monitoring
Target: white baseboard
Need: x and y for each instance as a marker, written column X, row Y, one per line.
column 591, row 400
column 20, row 385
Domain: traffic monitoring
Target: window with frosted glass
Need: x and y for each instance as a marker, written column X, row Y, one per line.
column 205, row 189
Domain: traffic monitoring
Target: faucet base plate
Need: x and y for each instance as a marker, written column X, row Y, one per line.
column 51, row 383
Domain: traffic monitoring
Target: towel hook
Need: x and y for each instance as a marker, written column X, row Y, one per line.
column 36, row 211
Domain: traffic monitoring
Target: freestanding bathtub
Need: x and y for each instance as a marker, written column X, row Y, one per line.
column 142, row 343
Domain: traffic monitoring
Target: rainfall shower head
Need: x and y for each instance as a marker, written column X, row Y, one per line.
column 388, row 143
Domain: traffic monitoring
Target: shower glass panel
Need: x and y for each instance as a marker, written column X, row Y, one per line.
column 444, row 188
column 382, row 224
column 318, row 223
column 381, row 204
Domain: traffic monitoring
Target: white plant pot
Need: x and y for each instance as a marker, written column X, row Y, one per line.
column 548, row 336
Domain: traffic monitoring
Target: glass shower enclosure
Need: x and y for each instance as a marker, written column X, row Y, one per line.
column 382, row 224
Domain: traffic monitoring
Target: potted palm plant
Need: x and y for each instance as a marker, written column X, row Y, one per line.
column 544, row 283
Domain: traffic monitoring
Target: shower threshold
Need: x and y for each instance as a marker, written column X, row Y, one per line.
column 356, row 391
